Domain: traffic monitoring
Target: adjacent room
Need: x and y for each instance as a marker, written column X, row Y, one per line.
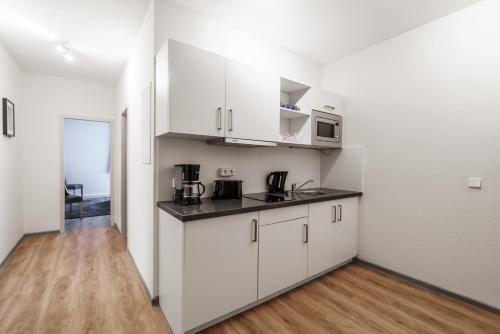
column 291, row 166
column 87, row 169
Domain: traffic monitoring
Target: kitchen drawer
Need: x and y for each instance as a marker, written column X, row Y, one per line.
column 267, row 217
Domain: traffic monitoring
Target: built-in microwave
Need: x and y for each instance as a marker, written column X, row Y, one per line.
column 326, row 129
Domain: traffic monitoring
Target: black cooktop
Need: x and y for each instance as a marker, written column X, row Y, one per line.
column 272, row 197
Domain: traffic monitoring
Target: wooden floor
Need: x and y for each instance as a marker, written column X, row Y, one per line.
column 85, row 282
column 82, row 282
column 357, row 299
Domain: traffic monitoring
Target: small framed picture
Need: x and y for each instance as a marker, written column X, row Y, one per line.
column 9, row 125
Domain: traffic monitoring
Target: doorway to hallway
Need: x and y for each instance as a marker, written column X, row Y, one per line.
column 87, row 172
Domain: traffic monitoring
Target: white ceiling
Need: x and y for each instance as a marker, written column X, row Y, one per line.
column 101, row 33
column 324, row 30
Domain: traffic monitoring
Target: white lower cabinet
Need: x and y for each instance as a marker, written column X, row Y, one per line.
column 282, row 255
column 220, row 267
column 333, row 234
column 346, row 235
column 322, row 234
column 212, row 267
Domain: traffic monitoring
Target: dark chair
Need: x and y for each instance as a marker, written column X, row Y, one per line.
column 70, row 199
column 74, row 187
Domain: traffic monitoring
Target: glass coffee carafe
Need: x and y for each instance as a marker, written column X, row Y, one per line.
column 192, row 192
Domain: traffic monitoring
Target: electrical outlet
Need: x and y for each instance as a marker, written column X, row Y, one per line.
column 226, row 171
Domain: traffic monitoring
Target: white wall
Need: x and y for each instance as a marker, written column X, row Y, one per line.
column 11, row 222
column 426, row 107
column 87, row 155
column 45, row 100
column 178, row 23
column 137, row 75
column 344, row 169
column 252, row 165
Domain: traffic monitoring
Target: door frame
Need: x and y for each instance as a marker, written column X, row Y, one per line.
column 111, row 122
column 124, row 172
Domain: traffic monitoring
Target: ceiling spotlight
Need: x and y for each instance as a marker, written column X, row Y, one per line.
column 65, row 49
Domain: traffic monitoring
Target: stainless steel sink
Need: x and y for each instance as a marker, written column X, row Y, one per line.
column 318, row 191
column 312, row 192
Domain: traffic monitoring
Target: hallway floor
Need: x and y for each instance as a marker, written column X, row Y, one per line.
column 72, row 225
column 80, row 282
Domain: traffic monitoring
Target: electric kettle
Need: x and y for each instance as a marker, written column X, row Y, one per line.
column 276, row 182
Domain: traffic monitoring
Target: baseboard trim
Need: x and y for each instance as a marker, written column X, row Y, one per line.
column 154, row 300
column 429, row 286
column 35, row 234
column 94, row 195
column 19, row 242
column 9, row 254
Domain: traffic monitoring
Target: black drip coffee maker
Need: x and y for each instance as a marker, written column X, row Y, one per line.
column 188, row 188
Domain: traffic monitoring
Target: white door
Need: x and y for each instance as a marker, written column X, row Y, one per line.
column 322, row 228
column 282, row 255
column 346, row 230
column 252, row 103
column 220, row 266
column 197, row 91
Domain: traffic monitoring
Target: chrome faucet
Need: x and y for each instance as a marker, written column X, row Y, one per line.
column 295, row 188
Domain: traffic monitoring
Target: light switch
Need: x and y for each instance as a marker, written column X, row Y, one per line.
column 475, row 182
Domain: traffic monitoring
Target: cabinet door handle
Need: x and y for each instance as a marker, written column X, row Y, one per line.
column 306, row 233
column 255, row 229
column 340, row 212
column 219, row 118
column 334, row 213
column 230, row 119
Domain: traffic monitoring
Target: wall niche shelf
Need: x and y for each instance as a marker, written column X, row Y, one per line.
column 295, row 124
column 291, row 113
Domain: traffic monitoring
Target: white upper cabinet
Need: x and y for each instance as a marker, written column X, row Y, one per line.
column 203, row 95
column 328, row 102
column 190, row 91
column 252, row 103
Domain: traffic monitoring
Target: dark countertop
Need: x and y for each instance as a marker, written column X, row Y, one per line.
column 210, row 208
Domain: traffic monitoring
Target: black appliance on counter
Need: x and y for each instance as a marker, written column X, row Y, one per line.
column 276, row 182
column 188, row 188
column 227, row 189
column 272, row 197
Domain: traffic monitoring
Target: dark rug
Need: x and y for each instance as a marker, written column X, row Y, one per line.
column 92, row 207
